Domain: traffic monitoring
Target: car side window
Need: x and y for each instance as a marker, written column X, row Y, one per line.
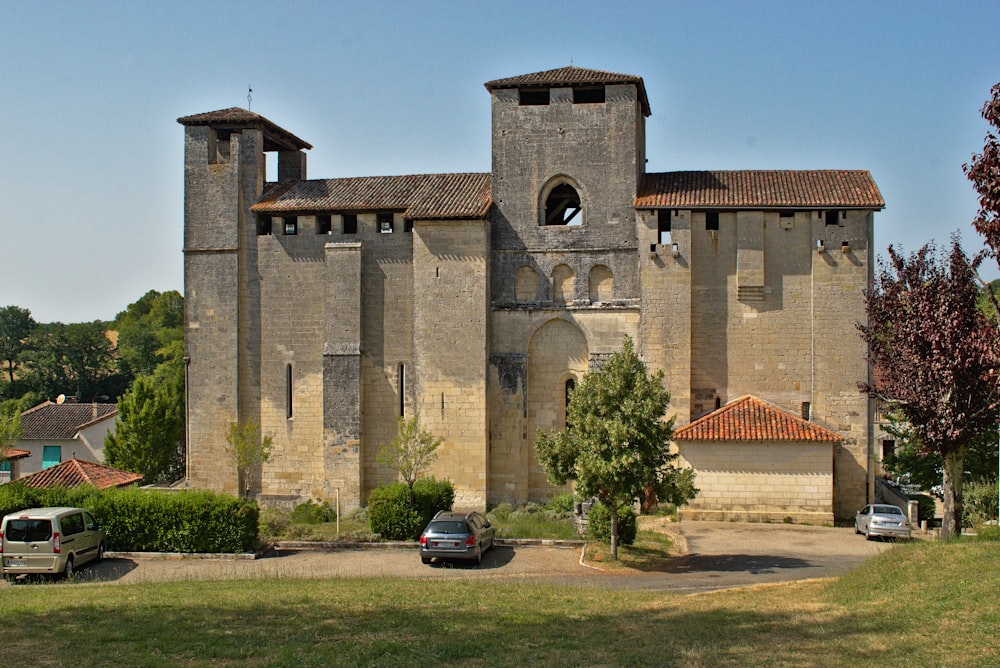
column 89, row 522
column 72, row 524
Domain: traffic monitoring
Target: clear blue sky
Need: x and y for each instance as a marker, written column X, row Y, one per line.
column 92, row 180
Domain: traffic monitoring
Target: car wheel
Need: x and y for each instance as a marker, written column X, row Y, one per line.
column 68, row 568
column 100, row 553
column 856, row 529
column 425, row 560
column 868, row 535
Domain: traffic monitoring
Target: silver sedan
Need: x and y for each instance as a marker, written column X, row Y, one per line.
column 881, row 520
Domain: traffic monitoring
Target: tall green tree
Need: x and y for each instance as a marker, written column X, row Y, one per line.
column 249, row 449
column 147, row 328
column 411, row 453
column 149, row 432
column 936, row 358
column 16, row 326
column 617, row 442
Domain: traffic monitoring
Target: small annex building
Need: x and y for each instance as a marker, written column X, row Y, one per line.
column 10, row 466
column 757, row 462
column 326, row 308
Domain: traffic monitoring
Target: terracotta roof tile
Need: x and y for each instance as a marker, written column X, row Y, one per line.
column 572, row 76
column 757, row 189
column 418, row 196
column 62, row 421
column 16, row 453
column 75, row 472
column 235, row 117
column 751, row 420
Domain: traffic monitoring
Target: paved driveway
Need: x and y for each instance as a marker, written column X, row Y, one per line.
column 712, row 555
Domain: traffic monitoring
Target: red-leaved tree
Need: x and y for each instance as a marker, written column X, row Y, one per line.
column 984, row 172
column 936, row 357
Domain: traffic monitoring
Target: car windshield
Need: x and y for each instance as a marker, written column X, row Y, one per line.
column 887, row 510
column 447, row 527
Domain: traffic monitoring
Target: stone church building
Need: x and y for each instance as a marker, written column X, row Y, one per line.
column 326, row 308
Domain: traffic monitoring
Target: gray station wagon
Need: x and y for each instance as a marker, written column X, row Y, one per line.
column 452, row 535
column 49, row 541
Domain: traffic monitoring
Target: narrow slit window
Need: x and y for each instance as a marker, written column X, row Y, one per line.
column 350, row 223
column 291, row 226
column 288, row 391
column 712, row 220
column 570, row 386
column 663, row 226
column 384, row 221
column 401, row 387
column 805, row 410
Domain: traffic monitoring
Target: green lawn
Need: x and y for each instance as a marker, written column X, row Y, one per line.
column 894, row 611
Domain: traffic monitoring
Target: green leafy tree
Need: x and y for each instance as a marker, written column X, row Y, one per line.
column 10, row 431
column 617, row 443
column 926, row 470
column 149, row 433
column 16, row 325
column 77, row 358
column 935, row 356
column 411, row 453
column 147, row 329
column 249, row 449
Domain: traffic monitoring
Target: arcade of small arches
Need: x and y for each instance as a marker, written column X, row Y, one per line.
column 528, row 289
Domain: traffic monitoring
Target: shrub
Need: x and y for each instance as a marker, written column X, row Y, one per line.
column 431, row 495
column 313, row 512
column 274, row 523
column 502, row 512
column 926, row 508
column 390, row 514
column 561, row 503
column 599, row 524
column 980, row 500
column 148, row 521
column 988, row 532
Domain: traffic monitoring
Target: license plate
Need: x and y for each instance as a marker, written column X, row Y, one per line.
column 12, row 563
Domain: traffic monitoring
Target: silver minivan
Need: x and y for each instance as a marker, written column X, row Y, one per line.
column 49, row 541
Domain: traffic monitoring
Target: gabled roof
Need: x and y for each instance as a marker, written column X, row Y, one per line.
column 16, row 453
column 750, row 419
column 418, row 196
column 572, row 76
column 760, row 189
column 234, row 118
column 62, row 421
column 75, row 472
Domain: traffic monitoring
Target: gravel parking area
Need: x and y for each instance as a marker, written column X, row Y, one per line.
column 711, row 556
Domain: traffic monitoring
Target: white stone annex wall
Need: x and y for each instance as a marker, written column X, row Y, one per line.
column 763, row 482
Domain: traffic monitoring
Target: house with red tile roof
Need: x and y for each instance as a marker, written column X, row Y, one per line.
column 758, row 462
column 75, row 472
column 55, row 432
column 325, row 309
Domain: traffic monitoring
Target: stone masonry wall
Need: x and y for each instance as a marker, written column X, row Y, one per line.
column 450, row 297
column 760, row 481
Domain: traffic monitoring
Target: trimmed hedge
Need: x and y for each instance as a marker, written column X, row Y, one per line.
column 149, row 521
column 391, row 516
